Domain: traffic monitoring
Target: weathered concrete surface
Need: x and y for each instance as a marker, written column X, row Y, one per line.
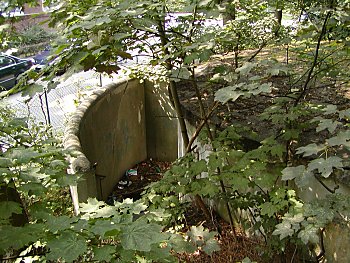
column 115, row 128
column 337, row 243
column 160, row 121
column 113, row 135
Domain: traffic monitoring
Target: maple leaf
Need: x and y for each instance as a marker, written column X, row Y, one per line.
column 140, row 235
column 310, row 149
column 325, row 166
column 68, row 246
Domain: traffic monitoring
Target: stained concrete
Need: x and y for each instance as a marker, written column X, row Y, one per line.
column 116, row 127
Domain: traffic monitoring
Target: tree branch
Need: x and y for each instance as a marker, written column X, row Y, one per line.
column 309, row 76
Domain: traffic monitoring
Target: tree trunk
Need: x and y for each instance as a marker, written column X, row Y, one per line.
column 172, row 88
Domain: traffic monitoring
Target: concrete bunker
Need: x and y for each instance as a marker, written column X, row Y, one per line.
column 115, row 128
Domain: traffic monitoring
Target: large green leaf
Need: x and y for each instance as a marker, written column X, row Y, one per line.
column 59, row 223
column 228, row 93
column 268, row 208
column 325, row 166
column 309, row 234
column 91, row 206
column 102, row 226
column 180, row 74
column 283, row 230
column 5, row 162
column 140, row 235
column 310, row 149
column 246, row 68
column 291, row 173
column 104, row 253
column 68, row 246
column 342, row 138
column 19, row 237
column 7, row 208
column 328, row 124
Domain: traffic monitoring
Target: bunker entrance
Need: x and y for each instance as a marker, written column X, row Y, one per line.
column 135, row 179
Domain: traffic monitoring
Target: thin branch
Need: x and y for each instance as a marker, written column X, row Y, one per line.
column 309, row 76
column 200, row 127
column 258, row 51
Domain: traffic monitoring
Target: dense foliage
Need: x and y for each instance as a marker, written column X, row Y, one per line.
column 260, row 188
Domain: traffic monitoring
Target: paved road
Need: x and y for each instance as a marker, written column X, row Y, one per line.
column 62, row 100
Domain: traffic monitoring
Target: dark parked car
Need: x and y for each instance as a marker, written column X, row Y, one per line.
column 10, row 68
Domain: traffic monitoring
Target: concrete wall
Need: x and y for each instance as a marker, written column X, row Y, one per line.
column 161, row 124
column 115, row 128
column 113, row 133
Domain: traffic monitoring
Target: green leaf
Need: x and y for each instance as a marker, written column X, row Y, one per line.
column 32, row 89
column 211, row 246
column 246, row 68
column 91, row 206
column 65, row 179
column 23, row 235
column 5, row 162
column 344, row 114
column 330, row 109
column 291, row 173
column 140, row 235
column 102, row 226
column 268, row 208
column 23, row 155
column 278, row 150
column 198, row 167
column 277, row 69
column 137, row 208
column 247, row 260
column 203, row 238
column 179, row 245
column 68, row 246
column 325, row 166
column 33, row 188
column 328, row 124
column 104, row 253
column 283, row 229
column 309, row 234
column 55, row 224
column 310, row 149
column 342, row 138
column 228, row 93
column 7, row 208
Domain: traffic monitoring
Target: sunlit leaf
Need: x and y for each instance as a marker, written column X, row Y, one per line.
column 229, row 93
column 309, row 234
column 283, row 229
column 246, row 68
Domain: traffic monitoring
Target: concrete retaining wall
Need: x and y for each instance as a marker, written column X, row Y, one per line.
column 115, row 128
